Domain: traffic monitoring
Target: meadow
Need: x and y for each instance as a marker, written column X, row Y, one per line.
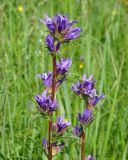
column 102, row 50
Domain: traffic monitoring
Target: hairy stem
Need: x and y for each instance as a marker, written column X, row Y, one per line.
column 82, row 145
column 53, row 97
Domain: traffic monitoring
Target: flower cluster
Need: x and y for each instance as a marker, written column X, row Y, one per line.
column 58, row 129
column 61, row 31
column 86, row 89
column 60, row 28
column 46, row 105
column 60, row 126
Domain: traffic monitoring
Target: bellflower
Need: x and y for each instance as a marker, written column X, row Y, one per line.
column 89, row 157
column 52, row 46
column 47, row 79
column 55, row 147
column 64, row 65
column 60, row 126
column 77, row 131
column 86, row 88
column 95, row 99
column 61, row 27
column 46, row 105
column 86, row 117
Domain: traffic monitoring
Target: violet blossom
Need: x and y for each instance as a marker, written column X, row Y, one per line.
column 77, row 131
column 46, row 105
column 64, row 65
column 86, row 89
column 51, row 44
column 87, row 116
column 60, row 126
column 61, row 27
column 89, row 157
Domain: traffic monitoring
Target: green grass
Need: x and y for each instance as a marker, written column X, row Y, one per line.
column 104, row 46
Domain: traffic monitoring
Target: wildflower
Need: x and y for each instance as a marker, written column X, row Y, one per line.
column 20, row 8
column 89, row 157
column 77, row 131
column 81, row 66
column 60, row 27
column 46, row 105
column 86, row 88
column 47, row 80
column 64, row 65
column 86, row 117
column 95, row 99
column 55, row 147
column 60, row 126
column 51, row 44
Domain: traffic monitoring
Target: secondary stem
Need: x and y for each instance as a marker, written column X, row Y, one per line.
column 82, row 145
column 53, row 97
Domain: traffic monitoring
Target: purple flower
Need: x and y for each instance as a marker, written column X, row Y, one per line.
column 61, row 27
column 86, row 117
column 51, row 44
column 95, row 99
column 77, row 131
column 89, row 157
column 64, row 65
column 46, row 105
column 55, row 147
column 45, row 144
column 60, row 126
column 86, row 88
column 46, row 78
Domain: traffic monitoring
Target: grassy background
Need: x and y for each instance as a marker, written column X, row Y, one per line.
column 23, row 54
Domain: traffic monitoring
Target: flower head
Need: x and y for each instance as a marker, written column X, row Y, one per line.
column 86, row 89
column 60, row 126
column 46, row 105
column 60, row 27
column 46, row 78
column 64, row 65
column 89, row 157
column 51, row 44
column 77, row 131
column 86, row 117
column 95, row 99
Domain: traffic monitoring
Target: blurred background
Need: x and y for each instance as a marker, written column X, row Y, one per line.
column 102, row 50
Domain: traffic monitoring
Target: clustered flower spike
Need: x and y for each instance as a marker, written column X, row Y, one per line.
column 46, row 105
column 60, row 28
